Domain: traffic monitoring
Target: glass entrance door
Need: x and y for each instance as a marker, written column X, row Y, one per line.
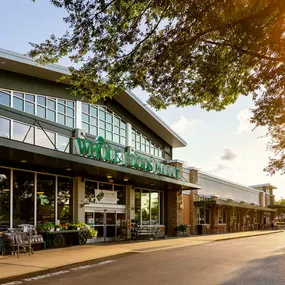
column 107, row 223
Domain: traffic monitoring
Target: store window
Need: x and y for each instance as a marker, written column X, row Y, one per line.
column 154, row 198
column 64, row 199
column 222, row 217
column 4, row 127
column 23, row 133
column 90, row 191
column 142, row 143
column 4, row 197
column 204, row 216
column 5, row 98
column 50, row 108
column 148, row 207
column 121, row 194
column 45, row 198
column 100, row 120
column 145, row 210
column 138, row 206
column 23, row 197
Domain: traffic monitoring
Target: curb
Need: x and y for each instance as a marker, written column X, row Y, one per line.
column 255, row 235
column 97, row 260
column 19, row 277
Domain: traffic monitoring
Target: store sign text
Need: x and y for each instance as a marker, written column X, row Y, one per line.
column 102, row 151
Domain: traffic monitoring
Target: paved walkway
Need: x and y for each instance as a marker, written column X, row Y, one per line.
column 49, row 260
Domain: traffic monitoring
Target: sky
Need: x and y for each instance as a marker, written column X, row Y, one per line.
column 221, row 143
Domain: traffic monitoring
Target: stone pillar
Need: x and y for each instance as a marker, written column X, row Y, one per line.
column 230, row 218
column 272, row 199
column 130, row 202
column 194, row 175
column 267, row 200
column 242, row 218
column 79, row 198
column 261, row 199
column 174, row 211
column 193, row 211
column 214, row 219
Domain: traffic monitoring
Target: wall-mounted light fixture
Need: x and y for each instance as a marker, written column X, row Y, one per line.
column 109, row 176
column 23, row 161
column 110, row 180
column 126, row 178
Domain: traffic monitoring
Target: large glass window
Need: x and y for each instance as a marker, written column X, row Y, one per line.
column 53, row 109
column 138, row 206
column 222, row 217
column 148, row 207
column 100, row 120
column 23, row 197
column 145, row 207
column 121, row 194
column 204, row 216
column 5, row 98
column 154, row 208
column 45, row 198
column 64, row 199
column 4, row 197
column 142, row 143
column 90, row 191
column 4, row 127
column 45, row 139
column 23, row 133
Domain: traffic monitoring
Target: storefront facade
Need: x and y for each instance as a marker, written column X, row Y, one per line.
column 66, row 160
column 221, row 206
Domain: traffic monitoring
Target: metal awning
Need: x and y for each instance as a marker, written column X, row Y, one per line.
column 213, row 203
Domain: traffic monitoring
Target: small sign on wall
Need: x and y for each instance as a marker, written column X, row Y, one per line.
column 105, row 197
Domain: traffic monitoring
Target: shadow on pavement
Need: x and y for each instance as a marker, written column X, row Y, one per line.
column 263, row 271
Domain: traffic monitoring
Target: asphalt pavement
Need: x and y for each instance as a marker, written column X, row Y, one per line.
column 255, row 260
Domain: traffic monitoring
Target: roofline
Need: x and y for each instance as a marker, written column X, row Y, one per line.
column 152, row 113
column 248, row 188
column 62, row 70
column 264, row 185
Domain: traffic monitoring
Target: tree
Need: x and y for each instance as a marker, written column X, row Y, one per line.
column 182, row 52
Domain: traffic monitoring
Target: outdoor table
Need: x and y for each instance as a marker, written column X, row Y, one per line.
column 66, row 237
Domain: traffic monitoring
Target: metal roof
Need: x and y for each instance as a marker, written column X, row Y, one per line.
column 25, row 65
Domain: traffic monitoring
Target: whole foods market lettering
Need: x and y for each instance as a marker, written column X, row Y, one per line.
column 102, row 151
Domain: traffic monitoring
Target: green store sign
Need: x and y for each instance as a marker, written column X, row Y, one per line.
column 102, row 151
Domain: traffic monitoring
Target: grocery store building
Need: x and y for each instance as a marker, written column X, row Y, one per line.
column 63, row 159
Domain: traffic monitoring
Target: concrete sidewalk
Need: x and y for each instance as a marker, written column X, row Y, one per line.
column 42, row 262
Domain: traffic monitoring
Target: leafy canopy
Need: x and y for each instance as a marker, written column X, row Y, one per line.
column 182, row 52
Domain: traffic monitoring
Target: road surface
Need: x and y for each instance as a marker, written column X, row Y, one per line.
column 256, row 260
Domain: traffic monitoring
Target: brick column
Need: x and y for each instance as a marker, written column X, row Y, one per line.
column 174, row 211
column 193, row 211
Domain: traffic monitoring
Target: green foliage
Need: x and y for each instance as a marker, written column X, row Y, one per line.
column 45, row 226
column 205, row 53
column 181, row 228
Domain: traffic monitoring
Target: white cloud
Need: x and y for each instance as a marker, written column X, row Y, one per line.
column 226, row 161
column 183, row 124
column 243, row 118
column 228, row 154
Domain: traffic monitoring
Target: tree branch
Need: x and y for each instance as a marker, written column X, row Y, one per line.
column 248, row 52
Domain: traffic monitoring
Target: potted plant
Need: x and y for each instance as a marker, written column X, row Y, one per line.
column 181, row 230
